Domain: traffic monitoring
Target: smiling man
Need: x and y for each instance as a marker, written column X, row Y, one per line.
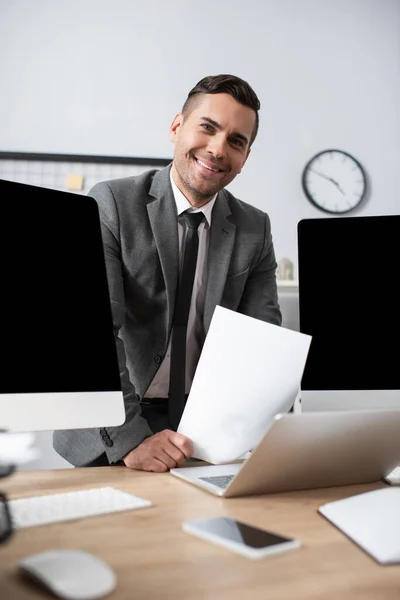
column 177, row 244
column 212, row 138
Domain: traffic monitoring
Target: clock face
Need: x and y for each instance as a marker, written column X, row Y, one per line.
column 334, row 181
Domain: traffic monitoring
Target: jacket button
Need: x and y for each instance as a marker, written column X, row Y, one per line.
column 157, row 359
column 109, row 443
column 103, row 432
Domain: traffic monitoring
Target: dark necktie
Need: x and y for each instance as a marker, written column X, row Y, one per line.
column 176, row 402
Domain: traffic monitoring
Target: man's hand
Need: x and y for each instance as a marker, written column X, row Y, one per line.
column 160, row 452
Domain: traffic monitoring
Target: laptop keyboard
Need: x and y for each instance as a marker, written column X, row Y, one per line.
column 221, row 481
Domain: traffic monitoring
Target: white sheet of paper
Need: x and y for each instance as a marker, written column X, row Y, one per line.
column 248, row 372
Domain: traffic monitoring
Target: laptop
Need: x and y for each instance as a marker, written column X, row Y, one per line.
column 308, row 450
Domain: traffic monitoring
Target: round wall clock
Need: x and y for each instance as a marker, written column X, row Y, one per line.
column 334, row 181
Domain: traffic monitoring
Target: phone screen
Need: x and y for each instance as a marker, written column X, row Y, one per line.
column 239, row 532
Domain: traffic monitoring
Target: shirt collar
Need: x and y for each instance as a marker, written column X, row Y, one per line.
column 183, row 204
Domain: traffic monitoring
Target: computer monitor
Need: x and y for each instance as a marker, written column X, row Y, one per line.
column 58, row 362
column 347, row 269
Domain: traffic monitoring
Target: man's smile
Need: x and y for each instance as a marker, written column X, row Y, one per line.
column 208, row 166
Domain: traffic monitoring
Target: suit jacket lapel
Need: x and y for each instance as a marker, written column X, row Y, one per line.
column 164, row 223
column 222, row 239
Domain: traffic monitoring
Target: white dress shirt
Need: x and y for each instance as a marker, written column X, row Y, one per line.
column 160, row 385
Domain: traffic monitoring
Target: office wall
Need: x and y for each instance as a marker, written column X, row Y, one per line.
column 101, row 77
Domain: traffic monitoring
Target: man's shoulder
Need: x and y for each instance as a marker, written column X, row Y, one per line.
column 136, row 185
column 243, row 210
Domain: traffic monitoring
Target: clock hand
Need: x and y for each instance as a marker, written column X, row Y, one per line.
column 329, row 179
column 339, row 188
column 321, row 174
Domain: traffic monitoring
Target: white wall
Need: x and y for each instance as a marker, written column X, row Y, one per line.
column 101, row 77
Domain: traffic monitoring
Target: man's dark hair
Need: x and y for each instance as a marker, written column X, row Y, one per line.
column 239, row 89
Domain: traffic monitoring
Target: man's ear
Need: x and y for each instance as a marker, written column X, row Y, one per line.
column 175, row 125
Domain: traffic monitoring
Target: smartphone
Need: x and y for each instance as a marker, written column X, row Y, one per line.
column 245, row 539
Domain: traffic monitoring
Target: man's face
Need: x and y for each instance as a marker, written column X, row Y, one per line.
column 212, row 144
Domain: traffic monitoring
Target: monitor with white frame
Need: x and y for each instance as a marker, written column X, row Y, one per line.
column 347, row 267
column 59, row 367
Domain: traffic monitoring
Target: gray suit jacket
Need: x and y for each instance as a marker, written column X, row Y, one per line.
column 140, row 235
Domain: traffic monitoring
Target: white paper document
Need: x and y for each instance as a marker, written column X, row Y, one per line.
column 371, row 520
column 248, row 372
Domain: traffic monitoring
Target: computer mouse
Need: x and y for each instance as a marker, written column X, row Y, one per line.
column 70, row 574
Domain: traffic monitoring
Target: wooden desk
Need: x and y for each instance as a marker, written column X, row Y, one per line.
column 155, row 559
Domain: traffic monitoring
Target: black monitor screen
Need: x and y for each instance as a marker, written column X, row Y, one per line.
column 348, row 302
column 55, row 317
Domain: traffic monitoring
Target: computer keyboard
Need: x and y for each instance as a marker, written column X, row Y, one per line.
column 393, row 477
column 221, row 481
column 53, row 508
